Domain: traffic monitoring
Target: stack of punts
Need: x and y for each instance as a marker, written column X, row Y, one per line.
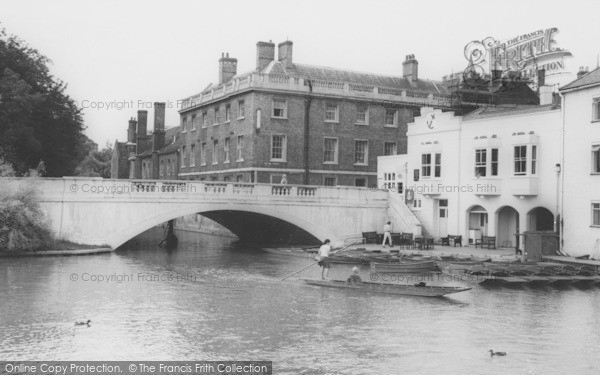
column 530, row 273
column 424, row 266
column 398, row 289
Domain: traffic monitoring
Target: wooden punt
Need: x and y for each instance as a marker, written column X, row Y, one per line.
column 405, row 267
column 398, row 289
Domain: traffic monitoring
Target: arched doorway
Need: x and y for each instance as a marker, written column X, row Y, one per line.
column 508, row 227
column 540, row 219
column 477, row 223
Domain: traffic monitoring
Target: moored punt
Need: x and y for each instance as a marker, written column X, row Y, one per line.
column 398, row 289
column 405, row 267
column 298, row 253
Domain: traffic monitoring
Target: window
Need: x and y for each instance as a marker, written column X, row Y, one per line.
column 480, row 162
column 216, row 116
column 169, row 168
column 361, row 152
column 494, row 163
column 184, row 124
column 241, row 109
column 596, row 109
column 215, row 154
column 533, row 159
column 425, row 165
column 520, row 160
column 596, row 214
column 329, row 181
column 193, row 155
column 389, row 148
column 240, row 148
column 228, row 113
column 279, row 108
column 239, row 178
column 360, row 182
column 330, row 150
column 193, row 122
column 162, row 167
column 362, row 114
column 596, row 159
column 226, row 147
column 438, row 165
column 226, row 179
column 183, row 157
column 203, row 154
column 204, row 119
column 332, row 113
column 391, row 117
column 278, row 148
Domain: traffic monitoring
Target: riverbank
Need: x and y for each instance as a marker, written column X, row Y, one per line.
column 98, row 250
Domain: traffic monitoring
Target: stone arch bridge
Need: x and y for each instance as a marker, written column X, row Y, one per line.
column 95, row 211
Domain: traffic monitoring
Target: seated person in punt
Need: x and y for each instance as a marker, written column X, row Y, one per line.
column 354, row 278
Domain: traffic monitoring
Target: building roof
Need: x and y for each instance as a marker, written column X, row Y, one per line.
column 503, row 111
column 591, row 78
column 345, row 76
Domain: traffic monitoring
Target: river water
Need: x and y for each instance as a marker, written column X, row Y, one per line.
column 213, row 299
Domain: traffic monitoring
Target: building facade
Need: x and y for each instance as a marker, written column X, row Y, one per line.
column 581, row 165
column 316, row 125
column 489, row 173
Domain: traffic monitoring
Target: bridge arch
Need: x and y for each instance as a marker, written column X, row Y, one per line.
column 320, row 231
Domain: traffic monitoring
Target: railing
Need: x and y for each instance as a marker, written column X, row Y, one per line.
column 245, row 189
column 281, row 190
column 402, row 215
column 359, row 87
column 306, row 191
column 215, row 188
column 284, row 82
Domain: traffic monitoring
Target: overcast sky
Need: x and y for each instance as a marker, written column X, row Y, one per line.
column 146, row 51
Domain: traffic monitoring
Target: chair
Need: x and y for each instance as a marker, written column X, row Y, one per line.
column 406, row 240
column 487, row 241
column 369, row 237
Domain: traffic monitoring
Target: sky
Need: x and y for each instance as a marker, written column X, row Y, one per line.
column 121, row 56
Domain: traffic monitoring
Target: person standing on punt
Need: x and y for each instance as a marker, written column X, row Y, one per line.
column 324, row 252
column 387, row 233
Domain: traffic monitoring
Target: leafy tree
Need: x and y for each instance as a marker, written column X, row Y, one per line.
column 38, row 120
column 96, row 163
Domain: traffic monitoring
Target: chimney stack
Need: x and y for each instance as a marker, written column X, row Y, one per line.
column 142, row 130
column 285, row 53
column 227, row 68
column 131, row 134
column 583, row 70
column 265, row 53
column 410, row 69
column 158, row 136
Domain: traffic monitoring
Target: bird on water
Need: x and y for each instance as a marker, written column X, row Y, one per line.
column 83, row 323
column 493, row 353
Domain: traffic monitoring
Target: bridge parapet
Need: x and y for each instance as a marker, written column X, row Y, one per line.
column 98, row 189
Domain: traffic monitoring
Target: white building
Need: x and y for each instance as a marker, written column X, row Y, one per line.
column 491, row 172
column 581, row 161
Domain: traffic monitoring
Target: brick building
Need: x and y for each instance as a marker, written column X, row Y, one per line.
column 147, row 155
column 316, row 125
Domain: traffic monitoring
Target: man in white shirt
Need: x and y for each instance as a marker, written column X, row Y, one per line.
column 387, row 233
column 324, row 252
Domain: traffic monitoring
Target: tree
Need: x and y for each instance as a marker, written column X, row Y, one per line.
column 38, row 120
column 96, row 163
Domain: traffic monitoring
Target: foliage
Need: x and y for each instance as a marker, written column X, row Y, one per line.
column 38, row 120
column 96, row 163
column 23, row 225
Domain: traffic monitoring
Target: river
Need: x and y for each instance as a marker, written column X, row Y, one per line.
column 213, row 299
